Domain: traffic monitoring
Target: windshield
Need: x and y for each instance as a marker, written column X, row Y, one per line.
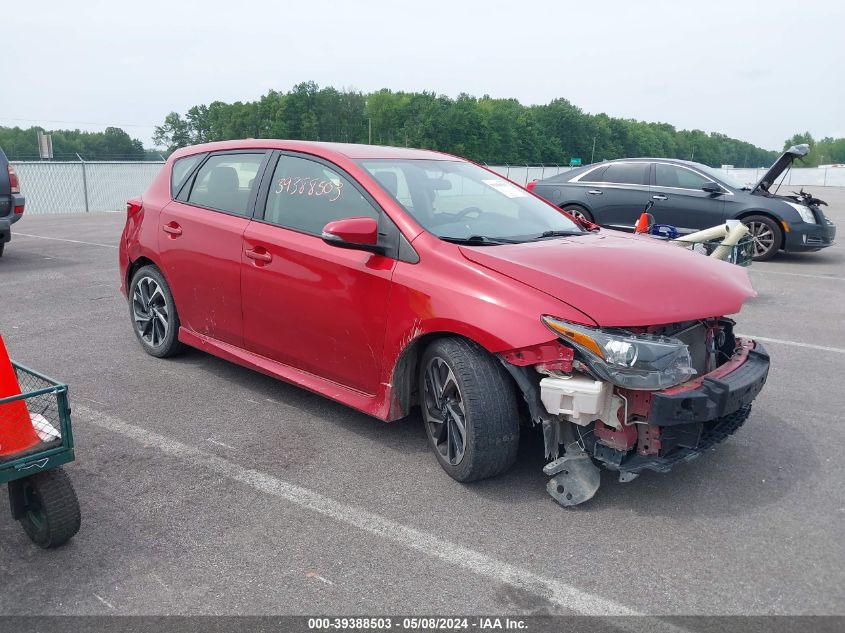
column 722, row 175
column 459, row 200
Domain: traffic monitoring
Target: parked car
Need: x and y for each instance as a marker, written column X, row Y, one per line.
column 692, row 196
column 11, row 201
column 393, row 278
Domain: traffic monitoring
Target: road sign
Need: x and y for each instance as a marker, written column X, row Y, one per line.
column 574, row 162
column 45, row 146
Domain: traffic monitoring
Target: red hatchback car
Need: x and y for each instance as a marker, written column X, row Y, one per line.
column 389, row 278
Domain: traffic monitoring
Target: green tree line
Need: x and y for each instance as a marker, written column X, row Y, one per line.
column 826, row 151
column 112, row 144
column 483, row 129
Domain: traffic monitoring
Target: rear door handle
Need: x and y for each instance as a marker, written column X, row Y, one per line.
column 172, row 228
column 660, row 196
column 259, row 254
column 595, row 192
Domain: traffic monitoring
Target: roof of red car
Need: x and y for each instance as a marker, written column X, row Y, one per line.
column 328, row 150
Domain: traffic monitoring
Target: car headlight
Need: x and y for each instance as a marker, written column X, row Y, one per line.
column 804, row 211
column 632, row 361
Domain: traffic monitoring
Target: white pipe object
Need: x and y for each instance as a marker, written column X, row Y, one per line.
column 713, row 233
column 737, row 232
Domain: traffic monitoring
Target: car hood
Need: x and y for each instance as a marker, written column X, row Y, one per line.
column 780, row 165
column 622, row 280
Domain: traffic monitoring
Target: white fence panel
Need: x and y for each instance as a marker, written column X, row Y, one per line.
column 797, row 177
column 76, row 187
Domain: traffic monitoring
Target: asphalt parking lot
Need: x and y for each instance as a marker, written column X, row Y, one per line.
column 210, row 489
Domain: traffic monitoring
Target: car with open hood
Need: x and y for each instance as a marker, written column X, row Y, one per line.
column 691, row 197
column 396, row 279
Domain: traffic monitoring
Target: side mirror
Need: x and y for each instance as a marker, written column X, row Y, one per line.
column 711, row 187
column 355, row 233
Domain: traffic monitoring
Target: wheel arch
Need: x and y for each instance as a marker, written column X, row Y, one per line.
column 405, row 374
column 138, row 263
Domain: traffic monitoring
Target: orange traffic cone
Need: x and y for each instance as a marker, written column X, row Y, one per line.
column 16, row 432
column 642, row 224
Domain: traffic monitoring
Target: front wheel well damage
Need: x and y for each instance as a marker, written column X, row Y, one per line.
column 406, row 373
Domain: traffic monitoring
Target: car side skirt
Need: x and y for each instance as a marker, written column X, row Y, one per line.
column 376, row 405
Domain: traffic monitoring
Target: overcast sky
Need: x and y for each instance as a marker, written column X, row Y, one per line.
column 758, row 71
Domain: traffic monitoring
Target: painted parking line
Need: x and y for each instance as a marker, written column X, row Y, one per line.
column 62, row 239
column 810, row 275
column 560, row 593
column 822, row 348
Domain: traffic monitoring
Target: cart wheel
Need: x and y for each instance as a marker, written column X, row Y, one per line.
column 52, row 509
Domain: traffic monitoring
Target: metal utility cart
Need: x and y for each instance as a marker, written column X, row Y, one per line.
column 41, row 494
column 740, row 254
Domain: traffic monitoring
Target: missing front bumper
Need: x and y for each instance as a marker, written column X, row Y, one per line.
column 664, row 428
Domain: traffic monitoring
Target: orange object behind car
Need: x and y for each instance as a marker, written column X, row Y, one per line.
column 16, row 432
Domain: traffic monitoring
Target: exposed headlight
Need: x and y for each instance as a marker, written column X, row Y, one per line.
column 804, row 211
column 632, row 361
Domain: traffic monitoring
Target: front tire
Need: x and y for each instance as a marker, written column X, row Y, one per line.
column 766, row 235
column 153, row 312
column 469, row 410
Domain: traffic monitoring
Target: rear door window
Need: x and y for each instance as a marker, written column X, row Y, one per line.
column 225, row 181
column 305, row 195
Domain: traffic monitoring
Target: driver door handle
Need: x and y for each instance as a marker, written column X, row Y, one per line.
column 660, row 196
column 595, row 192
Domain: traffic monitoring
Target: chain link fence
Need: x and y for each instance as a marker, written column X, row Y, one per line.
column 79, row 187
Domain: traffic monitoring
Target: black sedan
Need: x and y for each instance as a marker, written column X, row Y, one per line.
column 691, row 196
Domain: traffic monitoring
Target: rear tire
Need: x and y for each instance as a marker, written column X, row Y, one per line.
column 578, row 211
column 52, row 508
column 155, row 320
column 2, row 248
column 469, row 410
column 767, row 236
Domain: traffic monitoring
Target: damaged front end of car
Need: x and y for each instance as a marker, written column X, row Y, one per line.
column 634, row 399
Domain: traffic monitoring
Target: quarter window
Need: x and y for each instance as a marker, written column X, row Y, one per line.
column 594, row 176
column 626, row 174
column 224, row 182
column 666, row 175
column 180, row 171
column 306, row 195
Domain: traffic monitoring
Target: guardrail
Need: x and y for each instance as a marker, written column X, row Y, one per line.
column 82, row 186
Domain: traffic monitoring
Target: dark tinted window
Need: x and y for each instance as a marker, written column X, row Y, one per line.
column 180, row 171
column 595, row 175
column 306, row 195
column 224, row 182
column 627, row 174
column 673, row 176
